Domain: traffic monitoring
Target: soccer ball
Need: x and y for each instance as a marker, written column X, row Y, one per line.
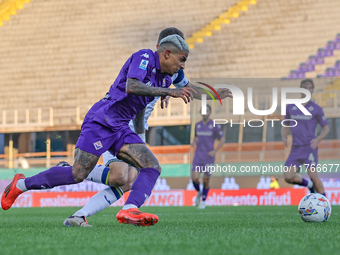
column 315, row 208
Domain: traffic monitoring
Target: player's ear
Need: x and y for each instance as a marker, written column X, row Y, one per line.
column 167, row 54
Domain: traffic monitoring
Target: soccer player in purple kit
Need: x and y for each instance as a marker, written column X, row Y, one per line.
column 205, row 135
column 117, row 174
column 146, row 74
column 305, row 145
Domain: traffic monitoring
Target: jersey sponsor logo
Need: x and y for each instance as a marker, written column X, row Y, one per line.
column 301, row 117
column 98, row 145
column 143, row 64
column 145, row 55
column 204, row 133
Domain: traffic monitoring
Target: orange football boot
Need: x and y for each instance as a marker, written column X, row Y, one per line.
column 135, row 217
column 11, row 192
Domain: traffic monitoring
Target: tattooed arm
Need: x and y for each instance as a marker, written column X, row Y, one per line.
column 138, row 122
column 136, row 87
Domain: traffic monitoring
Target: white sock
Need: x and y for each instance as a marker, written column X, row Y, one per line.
column 99, row 174
column 21, row 185
column 100, row 201
column 310, row 183
column 129, row 206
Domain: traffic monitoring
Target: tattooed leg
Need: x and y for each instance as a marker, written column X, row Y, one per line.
column 84, row 162
column 138, row 155
column 141, row 157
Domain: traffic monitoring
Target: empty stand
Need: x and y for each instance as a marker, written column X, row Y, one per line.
column 65, row 54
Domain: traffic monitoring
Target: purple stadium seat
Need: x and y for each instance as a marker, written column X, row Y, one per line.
column 306, row 68
column 331, row 72
column 324, row 53
column 330, row 45
column 337, row 65
column 337, row 45
column 296, row 75
column 337, row 38
column 314, row 60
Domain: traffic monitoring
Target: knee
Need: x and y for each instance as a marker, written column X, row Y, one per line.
column 153, row 164
column 118, row 181
column 314, row 179
column 78, row 176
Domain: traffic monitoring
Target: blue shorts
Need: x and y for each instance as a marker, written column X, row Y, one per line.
column 96, row 138
column 302, row 154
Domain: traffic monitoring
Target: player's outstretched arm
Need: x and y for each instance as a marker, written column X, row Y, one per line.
column 136, row 87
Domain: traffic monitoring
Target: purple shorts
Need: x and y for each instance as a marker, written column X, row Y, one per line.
column 96, row 138
column 302, row 154
column 202, row 167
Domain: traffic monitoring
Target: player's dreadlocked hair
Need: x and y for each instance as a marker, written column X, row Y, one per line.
column 169, row 31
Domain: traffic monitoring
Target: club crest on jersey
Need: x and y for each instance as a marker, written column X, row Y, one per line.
column 143, row 64
column 145, row 55
column 294, row 108
column 98, row 145
column 311, row 108
column 154, row 70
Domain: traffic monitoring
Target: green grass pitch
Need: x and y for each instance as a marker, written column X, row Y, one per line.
column 181, row 230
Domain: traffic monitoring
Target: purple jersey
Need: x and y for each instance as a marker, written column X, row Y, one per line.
column 305, row 129
column 105, row 126
column 206, row 135
column 118, row 107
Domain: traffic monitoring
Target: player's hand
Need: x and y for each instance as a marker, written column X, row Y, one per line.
column 212, row 153
column 165, row 101
column 285, row 141
column 314, row 143
column 186, row 93
column 224, row 92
